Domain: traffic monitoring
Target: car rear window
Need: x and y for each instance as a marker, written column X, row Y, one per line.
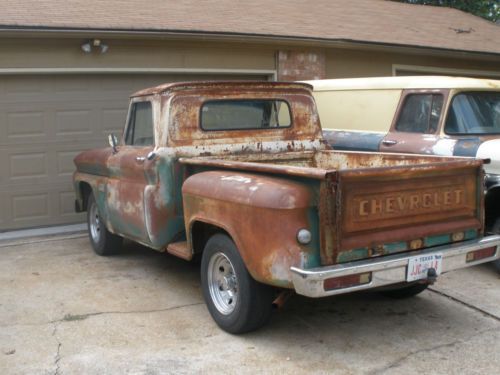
column 245, row 114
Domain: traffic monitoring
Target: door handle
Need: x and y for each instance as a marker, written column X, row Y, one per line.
column 140, row 159
column 389, row 142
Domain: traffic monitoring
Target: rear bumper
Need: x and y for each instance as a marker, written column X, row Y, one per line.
column 389, row 269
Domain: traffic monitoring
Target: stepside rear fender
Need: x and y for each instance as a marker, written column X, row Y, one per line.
column 262, row 214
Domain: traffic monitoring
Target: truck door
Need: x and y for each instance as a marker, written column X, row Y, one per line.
column 415, row 128
column 128, row 176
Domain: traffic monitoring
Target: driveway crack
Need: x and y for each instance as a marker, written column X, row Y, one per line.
column 466, row 304
column 57, row 357
column 402, row 359
column 76, row 317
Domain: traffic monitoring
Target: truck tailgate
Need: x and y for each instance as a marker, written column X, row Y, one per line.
column 380, row 211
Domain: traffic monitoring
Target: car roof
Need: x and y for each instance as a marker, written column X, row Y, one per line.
column 214, row 85
column 407, row 82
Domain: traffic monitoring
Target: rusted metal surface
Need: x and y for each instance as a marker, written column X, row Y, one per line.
column 262, row 186
column 262, row 214
column 184, row 118
column 421, row 202
column 235, row 86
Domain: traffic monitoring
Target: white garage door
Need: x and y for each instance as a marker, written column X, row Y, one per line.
column 47, row 120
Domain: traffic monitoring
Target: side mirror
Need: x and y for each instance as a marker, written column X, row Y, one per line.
column 113, row 142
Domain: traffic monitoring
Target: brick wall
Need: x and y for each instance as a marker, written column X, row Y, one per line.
column 295, row 65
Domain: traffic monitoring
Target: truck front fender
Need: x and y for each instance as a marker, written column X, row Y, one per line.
column 262, row 214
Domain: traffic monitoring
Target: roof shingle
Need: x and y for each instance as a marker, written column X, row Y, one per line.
column 367, row 21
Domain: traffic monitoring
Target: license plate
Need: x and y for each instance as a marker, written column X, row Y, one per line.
column 419, row 265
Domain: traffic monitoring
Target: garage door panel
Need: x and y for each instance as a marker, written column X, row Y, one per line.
column 29, row 207
column 22, row 125
column 73, row 85
column 46, row 121
column 74, row 121
column 13, row 86
column 41, row 209
column 41, row 166
column 28, row 165
column 25, row 124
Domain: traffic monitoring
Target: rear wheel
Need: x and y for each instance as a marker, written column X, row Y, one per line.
column 103, row 241
column 235, row 300
column 405, row 291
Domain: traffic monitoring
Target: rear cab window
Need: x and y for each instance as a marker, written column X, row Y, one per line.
column 245, row 114
column 140, row 131
column 420, row 113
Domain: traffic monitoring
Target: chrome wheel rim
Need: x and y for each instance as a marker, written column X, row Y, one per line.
column 95, row 223
column 222, row 283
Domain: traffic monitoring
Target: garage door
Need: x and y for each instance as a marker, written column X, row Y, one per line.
column 47, row 120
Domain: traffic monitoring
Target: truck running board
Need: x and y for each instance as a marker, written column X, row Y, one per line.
column 180, row 249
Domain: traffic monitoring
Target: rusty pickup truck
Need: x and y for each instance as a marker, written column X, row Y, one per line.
column 238, row 174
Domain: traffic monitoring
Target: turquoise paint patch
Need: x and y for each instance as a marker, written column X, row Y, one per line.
column 470, row 234
column 437, row 240
column 395, row 247
column 313, row 258
column 355, row 254
column 167, row 175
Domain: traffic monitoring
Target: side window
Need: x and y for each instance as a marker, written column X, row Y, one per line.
column 420, row 113
column 140, row 126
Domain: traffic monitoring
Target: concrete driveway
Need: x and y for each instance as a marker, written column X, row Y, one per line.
column 64, row 310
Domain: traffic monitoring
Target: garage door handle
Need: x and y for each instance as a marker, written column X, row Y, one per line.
column 389, row 142
column 140, row 159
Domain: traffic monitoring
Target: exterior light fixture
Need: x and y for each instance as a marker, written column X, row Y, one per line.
column 92, row 44
column 86, row 47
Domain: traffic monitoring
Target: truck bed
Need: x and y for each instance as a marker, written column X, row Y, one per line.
column 317, row 164
column 373, row 204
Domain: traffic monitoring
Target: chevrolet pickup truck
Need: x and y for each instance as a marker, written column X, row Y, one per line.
column 447, row 116
column 238, row 174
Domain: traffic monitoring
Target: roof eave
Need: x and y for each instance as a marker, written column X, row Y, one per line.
column 42, row 31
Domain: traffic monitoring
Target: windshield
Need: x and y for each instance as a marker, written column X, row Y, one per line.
column 474, row 113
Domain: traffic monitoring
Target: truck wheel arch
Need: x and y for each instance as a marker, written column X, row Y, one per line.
column 85, row 190
column 201, row 230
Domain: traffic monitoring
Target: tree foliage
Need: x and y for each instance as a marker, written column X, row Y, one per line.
column 488, row 9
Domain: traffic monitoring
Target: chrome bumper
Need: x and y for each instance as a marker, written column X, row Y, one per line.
column 388, row 269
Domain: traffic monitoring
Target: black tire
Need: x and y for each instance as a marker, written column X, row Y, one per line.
column 237, row 302
column 495, row 229
column 405, row 291
column 103, row 241
column 496, row 264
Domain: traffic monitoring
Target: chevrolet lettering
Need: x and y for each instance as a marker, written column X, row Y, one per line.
column 444, row 199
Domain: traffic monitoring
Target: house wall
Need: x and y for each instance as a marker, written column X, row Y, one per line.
column 66, row 53
column 348, row 63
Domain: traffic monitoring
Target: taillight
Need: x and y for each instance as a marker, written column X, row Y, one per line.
column 347, row 281
column 472, row 256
